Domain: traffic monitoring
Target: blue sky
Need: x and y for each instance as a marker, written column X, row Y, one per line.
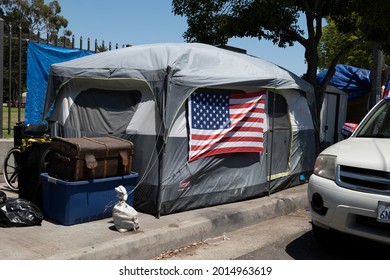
column 139, row 22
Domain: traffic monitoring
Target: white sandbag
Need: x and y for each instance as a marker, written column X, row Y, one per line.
column 125, row 217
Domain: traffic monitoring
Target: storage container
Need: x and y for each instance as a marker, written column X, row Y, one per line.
column 69, row 203
column 74, row 159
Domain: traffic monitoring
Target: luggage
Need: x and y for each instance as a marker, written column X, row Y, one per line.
column 75, row 159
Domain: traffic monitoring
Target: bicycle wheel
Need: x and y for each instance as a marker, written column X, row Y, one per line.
column 11, row 167
column 45, row 160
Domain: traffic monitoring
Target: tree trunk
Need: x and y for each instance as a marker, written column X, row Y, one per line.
column 311, row 57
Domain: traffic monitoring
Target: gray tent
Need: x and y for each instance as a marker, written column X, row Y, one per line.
column 210, row 126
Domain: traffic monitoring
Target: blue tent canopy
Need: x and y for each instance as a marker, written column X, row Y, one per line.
column 352, row 80
column 39, row 59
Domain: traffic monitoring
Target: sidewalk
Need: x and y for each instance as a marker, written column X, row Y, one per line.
column 99, row 240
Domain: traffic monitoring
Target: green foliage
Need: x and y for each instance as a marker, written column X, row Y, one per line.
column 367, row 17
column 34, row 14
column 214, row 22
column 355, row 24
column 10, row 118
column 334, row 41
column 21, row 17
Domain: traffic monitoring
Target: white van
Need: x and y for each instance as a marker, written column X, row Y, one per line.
column 350, row 189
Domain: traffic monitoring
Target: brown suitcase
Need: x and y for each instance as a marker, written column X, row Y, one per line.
column 75, row 159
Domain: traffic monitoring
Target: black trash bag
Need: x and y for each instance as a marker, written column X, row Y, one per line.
column 19, row 212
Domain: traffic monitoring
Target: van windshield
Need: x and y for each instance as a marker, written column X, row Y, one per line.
column 378, row 123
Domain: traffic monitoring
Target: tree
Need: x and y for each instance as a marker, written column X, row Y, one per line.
column 34, row 15
column 24, row 16
column 333, row 41
column 214, row 22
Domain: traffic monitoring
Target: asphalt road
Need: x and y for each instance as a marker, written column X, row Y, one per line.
column 284, row 238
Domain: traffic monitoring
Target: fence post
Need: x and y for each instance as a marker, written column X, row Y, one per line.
column 1, row 73
column 20, row 74
column 9, row 77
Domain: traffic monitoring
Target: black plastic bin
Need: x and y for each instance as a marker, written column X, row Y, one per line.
column 18, row 131
column 32, row 159
column 31, row 166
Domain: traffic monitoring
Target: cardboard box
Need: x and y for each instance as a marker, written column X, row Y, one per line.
column 83, row 201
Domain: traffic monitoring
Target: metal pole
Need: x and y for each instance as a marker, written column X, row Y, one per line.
column 9, row 77
column 20, row 74
column 272, row 141
column 376, row 75
column 1, row 74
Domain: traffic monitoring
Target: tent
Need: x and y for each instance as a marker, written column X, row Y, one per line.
column 209, row 126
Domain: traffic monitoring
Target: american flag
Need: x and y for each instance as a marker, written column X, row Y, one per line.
column 387, row 88
column 226, row 123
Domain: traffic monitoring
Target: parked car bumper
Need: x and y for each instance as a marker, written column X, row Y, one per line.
column 346, row 210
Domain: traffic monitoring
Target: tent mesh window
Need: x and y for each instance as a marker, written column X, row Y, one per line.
column 103, row 111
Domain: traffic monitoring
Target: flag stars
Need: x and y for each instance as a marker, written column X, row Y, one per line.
column 210, row 111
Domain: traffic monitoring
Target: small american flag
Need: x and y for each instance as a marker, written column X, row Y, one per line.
column 387, row 88
column 226, row 123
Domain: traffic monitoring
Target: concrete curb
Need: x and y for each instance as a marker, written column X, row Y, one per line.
column 178, row 230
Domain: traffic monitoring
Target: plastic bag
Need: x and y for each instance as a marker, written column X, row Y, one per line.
column 18, row 212
column 125, row 217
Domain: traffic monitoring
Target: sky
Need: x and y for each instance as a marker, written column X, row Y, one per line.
column 139, row 22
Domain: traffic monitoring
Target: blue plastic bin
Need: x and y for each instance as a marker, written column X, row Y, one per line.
column 78, row 202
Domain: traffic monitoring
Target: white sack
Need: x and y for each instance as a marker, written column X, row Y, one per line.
column 125, row 217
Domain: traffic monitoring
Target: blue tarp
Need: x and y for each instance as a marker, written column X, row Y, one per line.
column 39, row 59
column 352, row 80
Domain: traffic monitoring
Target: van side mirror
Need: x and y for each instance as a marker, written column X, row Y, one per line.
column 348, row 129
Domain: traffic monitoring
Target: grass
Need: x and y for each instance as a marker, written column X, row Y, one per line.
column 13, row 120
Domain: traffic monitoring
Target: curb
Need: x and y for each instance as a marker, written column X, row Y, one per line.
column 198, row 225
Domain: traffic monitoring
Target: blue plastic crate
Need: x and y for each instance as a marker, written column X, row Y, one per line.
column 78, row 202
